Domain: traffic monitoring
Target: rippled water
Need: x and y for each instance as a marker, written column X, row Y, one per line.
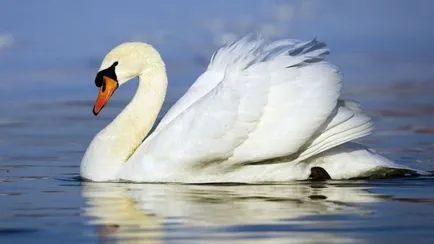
column 44, row 136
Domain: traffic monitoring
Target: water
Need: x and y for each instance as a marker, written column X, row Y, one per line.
column 47, row 65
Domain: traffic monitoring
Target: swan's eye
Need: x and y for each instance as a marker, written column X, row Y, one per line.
column 109, row 72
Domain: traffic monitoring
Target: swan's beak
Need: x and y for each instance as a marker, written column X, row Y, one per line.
column 107, row 89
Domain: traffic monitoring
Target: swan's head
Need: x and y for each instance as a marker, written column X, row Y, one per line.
column 121, row 64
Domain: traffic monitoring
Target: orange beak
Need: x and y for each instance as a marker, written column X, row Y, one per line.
column 107, row 89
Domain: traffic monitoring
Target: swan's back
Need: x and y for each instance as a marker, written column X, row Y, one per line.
column 258, row 102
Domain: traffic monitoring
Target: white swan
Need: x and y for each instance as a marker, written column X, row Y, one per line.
column 261, row 112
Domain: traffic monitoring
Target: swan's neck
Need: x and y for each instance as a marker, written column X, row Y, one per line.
column 113, row 146
column 132, row 125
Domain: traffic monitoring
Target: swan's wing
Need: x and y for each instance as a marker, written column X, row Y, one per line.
column 204, row 84
column 270, row 101
column 220, row 62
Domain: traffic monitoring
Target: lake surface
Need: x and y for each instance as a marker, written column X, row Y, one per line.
column 48, row 60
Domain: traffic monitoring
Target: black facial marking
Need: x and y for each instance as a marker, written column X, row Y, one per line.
column 109, row 72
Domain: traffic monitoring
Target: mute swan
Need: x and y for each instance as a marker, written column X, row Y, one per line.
column 261, row 112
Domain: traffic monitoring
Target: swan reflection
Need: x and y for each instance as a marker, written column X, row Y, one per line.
column 154, row 212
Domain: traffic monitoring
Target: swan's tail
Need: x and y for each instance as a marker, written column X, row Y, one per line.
column 354, row 161
column 332, row 154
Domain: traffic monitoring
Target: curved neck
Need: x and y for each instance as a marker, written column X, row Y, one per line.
column 133, row 124
column 113, row 146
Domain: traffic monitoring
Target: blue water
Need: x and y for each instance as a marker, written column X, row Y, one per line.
column 50, row 51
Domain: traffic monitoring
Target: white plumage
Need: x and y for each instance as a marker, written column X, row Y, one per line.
column 262, row 111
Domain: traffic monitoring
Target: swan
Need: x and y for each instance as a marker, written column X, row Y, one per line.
column 262, row 111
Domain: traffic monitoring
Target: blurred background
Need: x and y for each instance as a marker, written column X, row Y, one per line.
column 46, row 43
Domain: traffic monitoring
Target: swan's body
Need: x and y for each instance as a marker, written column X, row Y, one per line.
column 261, row 112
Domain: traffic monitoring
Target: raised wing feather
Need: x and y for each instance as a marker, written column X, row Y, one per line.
column 203, row 85
column 269, row 101
column 300, row 101
column 217, row 123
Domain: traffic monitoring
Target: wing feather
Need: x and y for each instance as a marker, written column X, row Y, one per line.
column 256, row 101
